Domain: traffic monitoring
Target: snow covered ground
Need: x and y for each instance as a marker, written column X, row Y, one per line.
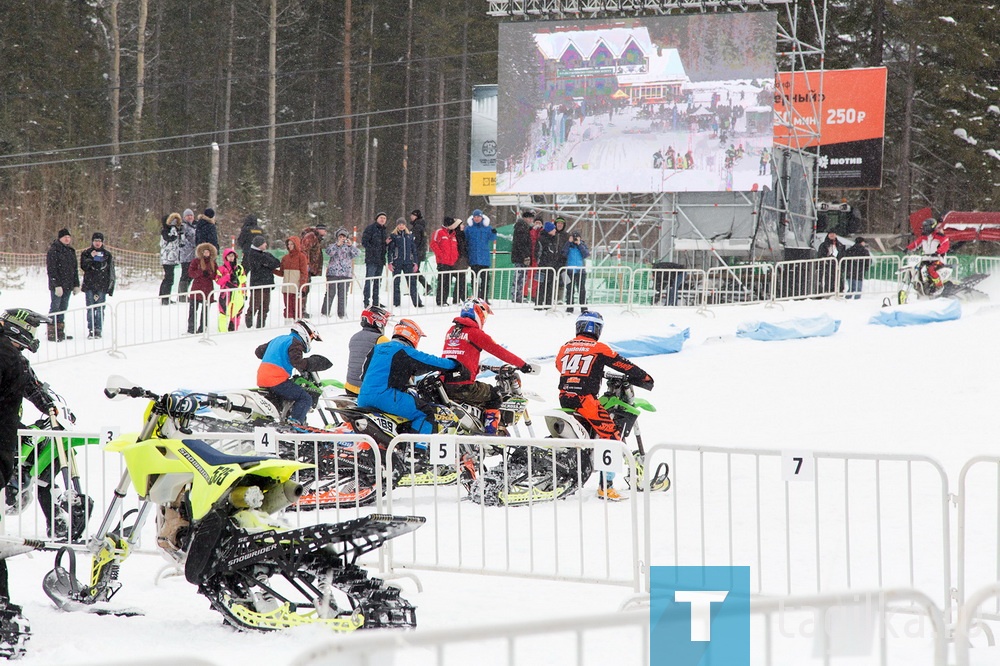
column 928, row 390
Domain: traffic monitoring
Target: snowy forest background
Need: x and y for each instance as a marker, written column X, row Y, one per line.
column 108, row 109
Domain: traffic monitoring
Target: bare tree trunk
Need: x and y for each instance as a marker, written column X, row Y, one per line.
column 349, row 212
column 406, row 106
column 441, row 158
column 272, row 100
column 140, row 68
column 425, row 148
column 228, row 101
column 116, row 58
column 366, row 200
column 878, row 33
column 905, row 173
column 462, row 173
column 156, row 69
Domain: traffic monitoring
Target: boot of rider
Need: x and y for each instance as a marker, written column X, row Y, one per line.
column 491, row 421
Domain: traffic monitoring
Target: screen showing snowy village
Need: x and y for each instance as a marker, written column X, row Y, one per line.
column 656, row 104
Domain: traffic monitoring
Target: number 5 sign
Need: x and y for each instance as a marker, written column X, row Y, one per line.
column 442, row 453
column 608, row 456
column 798, row 466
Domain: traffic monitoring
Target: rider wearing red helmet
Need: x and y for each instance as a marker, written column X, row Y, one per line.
column 373, row 321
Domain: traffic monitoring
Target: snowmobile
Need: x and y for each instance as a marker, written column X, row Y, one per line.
column 44, row 462
column 914, row 280
column 541, row 474
column 215, row 516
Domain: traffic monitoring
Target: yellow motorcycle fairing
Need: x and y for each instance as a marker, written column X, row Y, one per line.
column 211, row 473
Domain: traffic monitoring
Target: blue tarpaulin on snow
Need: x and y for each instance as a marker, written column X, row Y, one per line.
column 652, row 345
column 806, row 327
column 647, row 345
column 945, row 309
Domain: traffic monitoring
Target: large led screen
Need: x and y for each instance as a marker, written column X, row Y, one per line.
column 652, row 104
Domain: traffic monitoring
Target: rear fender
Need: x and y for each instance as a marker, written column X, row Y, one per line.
column 564, row 425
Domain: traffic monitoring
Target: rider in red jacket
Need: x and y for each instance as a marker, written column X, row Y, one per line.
column 933, row 244
column 464, row 342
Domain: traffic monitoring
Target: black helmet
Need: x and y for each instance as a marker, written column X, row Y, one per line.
column 928, row 225
column 590, row 324
column 20, row 324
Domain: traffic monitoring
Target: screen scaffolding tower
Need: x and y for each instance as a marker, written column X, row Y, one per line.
column 638, row 227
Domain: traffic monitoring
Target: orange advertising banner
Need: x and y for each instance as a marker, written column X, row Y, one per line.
column 846, row 108
column 851, row 103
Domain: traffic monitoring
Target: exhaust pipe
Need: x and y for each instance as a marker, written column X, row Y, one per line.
column 279, row 497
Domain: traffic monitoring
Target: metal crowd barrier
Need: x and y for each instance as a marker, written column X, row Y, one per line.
column 602, row 285
column 806, row 278
column 842, row 628
column 570, row 539
column 978, row 532
column 973, row 621
column 788, row 515
column 749, row 283
column 989, row 265
column 671, row 287
column 591, row 639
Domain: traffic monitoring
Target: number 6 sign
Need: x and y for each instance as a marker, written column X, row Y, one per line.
column 608, row 456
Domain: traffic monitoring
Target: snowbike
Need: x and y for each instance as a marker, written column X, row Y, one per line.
column 358, row 465
column 268, row 405
column 44, row 461
column 214, row 515
column 541, row 474
column 914, row 280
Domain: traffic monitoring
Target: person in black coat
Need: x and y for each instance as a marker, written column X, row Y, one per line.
column 64, row 280
column 375, row 241
column 98, row 269
column 858, row 261
column 17, row 382
column 250, row 230
column 418, row 226
column 403, row 263
column 259, row 265
column 206, row 231
column 827, row 272
column 520, row 253
column 547, row 252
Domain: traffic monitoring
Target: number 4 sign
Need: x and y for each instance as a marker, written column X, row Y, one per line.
column 608, row 456
column 265, row 440
column 798, row 466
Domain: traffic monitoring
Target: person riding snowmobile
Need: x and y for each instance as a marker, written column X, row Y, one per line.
column 463, row 343
column 373, row 321
column 933, row 244
column 278, row 358
column 581, row 363
column 17, row 382
column 389, row 370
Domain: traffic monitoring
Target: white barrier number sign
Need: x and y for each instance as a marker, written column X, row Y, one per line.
column 442, row 453
column 608, row 457
column 265, row 440
column 798, row 466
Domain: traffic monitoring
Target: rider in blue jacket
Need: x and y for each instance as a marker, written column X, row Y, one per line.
column 390, row 368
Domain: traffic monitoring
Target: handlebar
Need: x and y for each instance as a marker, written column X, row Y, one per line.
column 203, row 399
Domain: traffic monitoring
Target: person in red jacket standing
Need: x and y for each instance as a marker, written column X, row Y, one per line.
column 933, row 244
column 444, row 245
column 463, row 343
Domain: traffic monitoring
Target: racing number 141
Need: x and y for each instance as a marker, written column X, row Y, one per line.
column 577, row 364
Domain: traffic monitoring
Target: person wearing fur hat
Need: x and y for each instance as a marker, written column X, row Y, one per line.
column 203, row 271
column 339, row 272
column 206, row 231
column 294, row 271
column 444, row 245
column 64, row 280
column 188, row 243
column 480, row 236
column 98, row 269
column 403, row 263
column 312, row 239
column 375, row 242
column 260, row 266
column 170, row 253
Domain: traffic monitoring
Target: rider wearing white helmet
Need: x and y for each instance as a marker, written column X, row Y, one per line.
column 279, row 357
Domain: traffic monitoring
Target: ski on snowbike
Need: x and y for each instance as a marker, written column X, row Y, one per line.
column 534, row 474
column 215, row 516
